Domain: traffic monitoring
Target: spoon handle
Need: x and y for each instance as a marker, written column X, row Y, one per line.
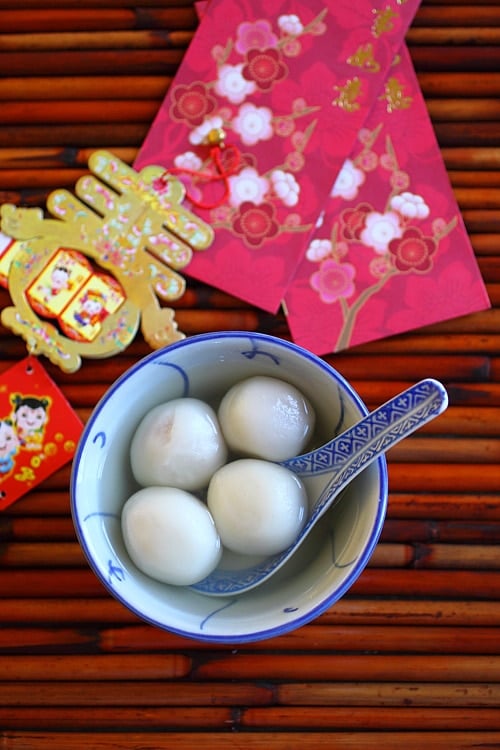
column 375, row 433
column 349, row 453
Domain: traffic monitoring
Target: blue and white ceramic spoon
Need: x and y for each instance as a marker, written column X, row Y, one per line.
column 343, row 458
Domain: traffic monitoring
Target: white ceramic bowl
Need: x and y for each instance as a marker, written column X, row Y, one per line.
column 206, row 366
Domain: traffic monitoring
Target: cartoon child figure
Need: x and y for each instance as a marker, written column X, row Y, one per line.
column 30, row 418
column 9, row 445
column 92, row 309
column 59, row 282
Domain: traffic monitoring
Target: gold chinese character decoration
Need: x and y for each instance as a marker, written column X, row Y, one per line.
column 394, row 95
column 383, row 21
column 364, row 58
column 348, row 95
column 85, row 278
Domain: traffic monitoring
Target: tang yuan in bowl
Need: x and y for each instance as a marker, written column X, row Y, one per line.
column 205, row 368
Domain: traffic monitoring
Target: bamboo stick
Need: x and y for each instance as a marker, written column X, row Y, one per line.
column 423, row 555
column 310, row 638
column 79, row 136
column 124, row 693
column 158, row 38
column 55, row 611
column 425, row 583
column 332, row 717
column 352, row 667
column 423, row 530
column 84, row 19
column 134, row 62
column 356, row 639
column 46, row 529
column 40, row 584
column 11, row 4
column 95, row 667
column 335, row 693
column 395, row 694
column 461, row 57
column 480, row 134
column 405, row 477
column 78, row 718
column 461, row 16
column 82, row 87
column 42, row 554
column 462, row 450
column 378, row 611
column 90, row 111
column 392, row 694
column 465, row 83
column 256, row 740
column 456, row 35
column 50, row 504
column 444, row 505
column 470, row 157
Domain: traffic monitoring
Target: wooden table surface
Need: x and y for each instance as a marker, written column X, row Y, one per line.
column 410, row 657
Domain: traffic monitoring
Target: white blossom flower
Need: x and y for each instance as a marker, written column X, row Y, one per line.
column 348, row 181
column 188, row 160
column 410, row 205
column 199, row 134
column 253, row 124
column 247, row 185
column 318, row 250
column 232, row 85
column 380, row 229
column 286, row 187
column 291, row 24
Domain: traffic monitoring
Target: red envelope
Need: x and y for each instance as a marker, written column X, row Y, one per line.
column 291, row 83
column 392, row 253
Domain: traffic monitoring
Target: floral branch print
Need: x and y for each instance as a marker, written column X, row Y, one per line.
column 261, row 204
column 392, row 236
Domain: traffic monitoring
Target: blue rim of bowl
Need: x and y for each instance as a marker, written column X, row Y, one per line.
column 292, row 624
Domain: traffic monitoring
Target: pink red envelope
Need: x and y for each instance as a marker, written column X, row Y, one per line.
column 292, row 83
column 392, row 253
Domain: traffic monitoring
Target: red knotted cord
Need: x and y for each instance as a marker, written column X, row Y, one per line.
column 222, row 173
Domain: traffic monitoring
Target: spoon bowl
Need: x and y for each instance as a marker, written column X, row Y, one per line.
column 332, row 467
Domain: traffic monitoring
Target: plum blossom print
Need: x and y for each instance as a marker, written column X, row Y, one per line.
column 264, row 68
column 256, row 223
column 348, row 182
column 253, row 124
column 334, row 280
column 233, row 85
column 412, row 251
column 370, row 244
column 192, row 103
column 247, row 185
column 259, row 203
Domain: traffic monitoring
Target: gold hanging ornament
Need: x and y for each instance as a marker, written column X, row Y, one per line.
column 131, row 224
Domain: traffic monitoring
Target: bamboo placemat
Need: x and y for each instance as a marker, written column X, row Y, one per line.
column 410, row 658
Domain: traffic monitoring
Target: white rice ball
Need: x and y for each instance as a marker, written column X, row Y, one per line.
column 258, row 507
column 266, row 417
column 170, row 535
column 178, row 444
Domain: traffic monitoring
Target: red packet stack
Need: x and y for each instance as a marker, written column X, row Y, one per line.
column 340, row 206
